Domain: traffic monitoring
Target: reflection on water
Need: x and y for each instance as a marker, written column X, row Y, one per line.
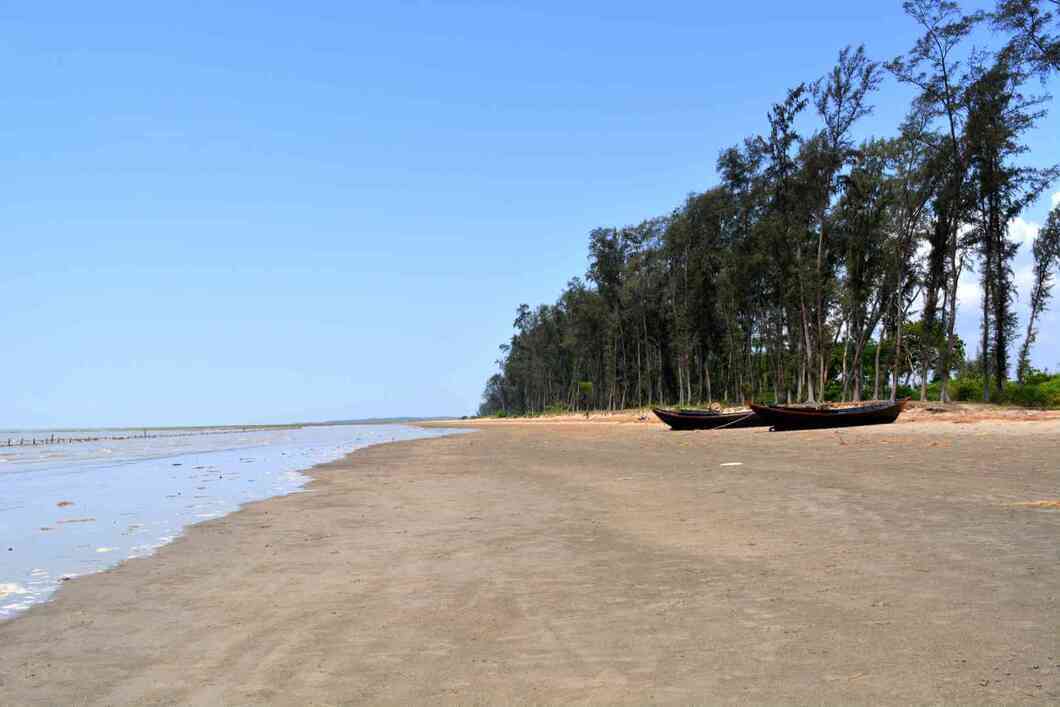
column 77, row 508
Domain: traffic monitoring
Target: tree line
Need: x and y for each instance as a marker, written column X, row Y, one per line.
column 821, row 266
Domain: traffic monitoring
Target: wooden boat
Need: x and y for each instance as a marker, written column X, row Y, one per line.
column 786, row 417
column 706, row 419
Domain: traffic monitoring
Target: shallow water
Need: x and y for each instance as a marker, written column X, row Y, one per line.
column 73, row 509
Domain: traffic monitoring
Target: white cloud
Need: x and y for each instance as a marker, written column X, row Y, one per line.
column 1023, row 231
column 1024, row 278
column 969, row 290
column 969, row 293
column 1046, row 350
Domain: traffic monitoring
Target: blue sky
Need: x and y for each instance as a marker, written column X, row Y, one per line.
column 257, row 212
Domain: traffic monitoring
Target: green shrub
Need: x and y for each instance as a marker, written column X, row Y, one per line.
column 1051, row 389
column 967, row 389
column 833, row 392
column 964, row 389
column 1040, row 390
column 1023, row 394
column 1036, row 377
column 907, row 391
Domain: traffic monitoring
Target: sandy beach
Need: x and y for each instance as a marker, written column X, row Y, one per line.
column 609, row 561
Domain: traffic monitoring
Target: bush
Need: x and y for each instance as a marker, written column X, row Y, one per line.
column 967, row 389
column 1040, row 390
column 1036, row 377
column 905, row 391
column 1051, row 389
column 1023, row 394
column 833, row 392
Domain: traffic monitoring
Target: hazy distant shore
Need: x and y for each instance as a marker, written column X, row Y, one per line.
column 615, row 563
column 46, row 431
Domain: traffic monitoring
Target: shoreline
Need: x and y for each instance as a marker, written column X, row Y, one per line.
column 72, row 516
column 603, row 563
column 916, row 412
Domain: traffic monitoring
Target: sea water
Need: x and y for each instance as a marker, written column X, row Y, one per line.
column 76, row 508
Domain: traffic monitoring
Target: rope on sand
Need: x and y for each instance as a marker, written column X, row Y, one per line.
column 741, row 419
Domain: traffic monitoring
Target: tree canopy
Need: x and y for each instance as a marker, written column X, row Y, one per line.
column 819, row 267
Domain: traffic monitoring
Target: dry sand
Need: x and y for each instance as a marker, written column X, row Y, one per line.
column 566, row 562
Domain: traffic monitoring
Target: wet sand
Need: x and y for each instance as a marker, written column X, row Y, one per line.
column 593, row 563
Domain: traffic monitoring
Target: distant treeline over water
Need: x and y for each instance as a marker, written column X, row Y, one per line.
column 823, row 266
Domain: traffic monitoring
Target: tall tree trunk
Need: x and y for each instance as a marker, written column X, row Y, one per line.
column 710, row 394
column 1000, row 296
column 879, row 345
column 988, row 286
column 846, row 377
column 951, row 323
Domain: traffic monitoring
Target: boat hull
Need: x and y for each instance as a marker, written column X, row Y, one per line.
column 691, row 420
column 791, row 418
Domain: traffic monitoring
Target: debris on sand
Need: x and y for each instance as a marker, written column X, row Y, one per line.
column 1040, row 504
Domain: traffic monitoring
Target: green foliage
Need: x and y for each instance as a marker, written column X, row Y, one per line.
column 1032, row 29
column 820, row 266
column 964, row 388
column 1041, row 390
column 905, row 391
column 1034, row 376
column 967, row 389
column 833, row 392
column 1046, row 251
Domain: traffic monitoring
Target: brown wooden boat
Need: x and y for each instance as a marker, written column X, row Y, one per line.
column 706, row 419
column 786, row 417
